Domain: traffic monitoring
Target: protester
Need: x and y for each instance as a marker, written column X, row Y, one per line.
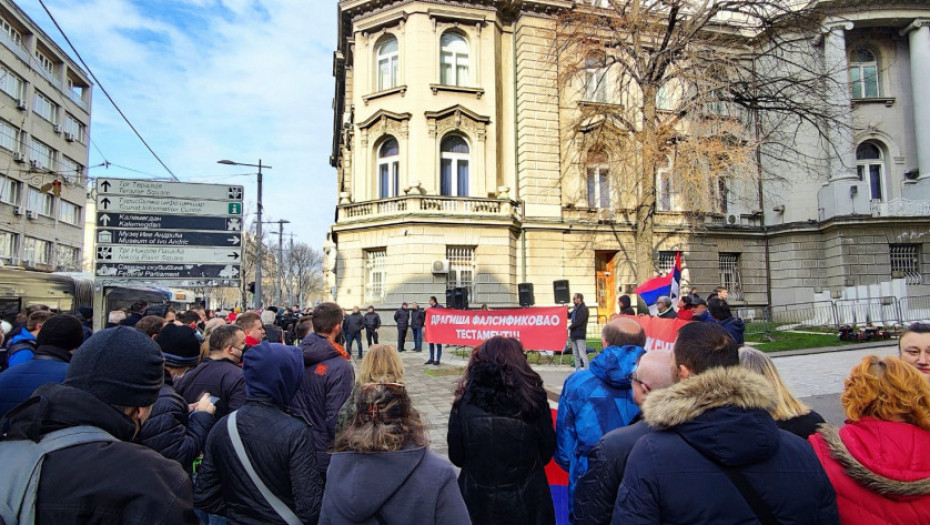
column 136, row 312
column 269, row 315
column 501, row 435
column 383, row 471
column 251, row 325
column 914, row 347
column 664, row 308
column 327, row 382
column 598, row 399
column 720, row 311
column 402, row 319
column 86, row 315
column 372, row 323
column 417, row 321
column 878, row 462
column 174, row 429
column 278, row 446
column 59, row 338
column 789, row 413
column 597, row 488
column 382, row 364
column 150, row 325
column 352, row 327
column 220, row 374
column 435, row 349
column 212, row 325
column 192, row 319
column 112, row 382
column 115, row 318
column 625, row 307
column 273, row 334
column 23, row 345
column 720, row 292
column 303, row 328
column 716, row 448
column 693, row 308
column 578, row 332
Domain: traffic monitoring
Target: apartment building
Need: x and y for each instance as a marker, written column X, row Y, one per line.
column 454, row 169
column 45, row 101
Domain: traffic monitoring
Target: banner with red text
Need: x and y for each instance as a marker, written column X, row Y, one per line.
column 535, row 328
column 660, row 332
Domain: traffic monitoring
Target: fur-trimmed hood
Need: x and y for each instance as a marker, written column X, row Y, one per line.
column 882, row 456
column 723, row 412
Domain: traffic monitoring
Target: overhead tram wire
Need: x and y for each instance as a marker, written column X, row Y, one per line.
column 99, row 85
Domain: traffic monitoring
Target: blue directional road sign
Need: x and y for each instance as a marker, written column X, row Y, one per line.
column 149, row 221
column 168, row 238
column 168, row 271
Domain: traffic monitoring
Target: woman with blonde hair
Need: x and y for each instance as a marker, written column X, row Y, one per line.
column 789, row 413
column 382, row 470
column 878, row 462
column 381, row 364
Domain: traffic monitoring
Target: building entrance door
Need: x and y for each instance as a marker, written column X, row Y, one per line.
column 605, row 276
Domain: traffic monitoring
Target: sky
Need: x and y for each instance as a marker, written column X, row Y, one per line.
column 204, row 80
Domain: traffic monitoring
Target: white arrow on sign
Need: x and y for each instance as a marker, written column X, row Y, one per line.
column 127, row 204
column 182, row 190
column 105, row 219
column 233, row 240
column 119, row 253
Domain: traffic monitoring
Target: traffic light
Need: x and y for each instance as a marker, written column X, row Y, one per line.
column 250, row 287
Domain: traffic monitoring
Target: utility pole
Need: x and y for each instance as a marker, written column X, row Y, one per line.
column 258, row 230
column 279, row 285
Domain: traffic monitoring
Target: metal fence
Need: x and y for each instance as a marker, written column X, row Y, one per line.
column 885, row 312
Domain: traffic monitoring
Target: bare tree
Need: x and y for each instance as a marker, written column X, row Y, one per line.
column 249, row 261
column 698, row 99
column 305, row 271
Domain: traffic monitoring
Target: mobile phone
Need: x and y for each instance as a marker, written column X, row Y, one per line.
column 214, row 399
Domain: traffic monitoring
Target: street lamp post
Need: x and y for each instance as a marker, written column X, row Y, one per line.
column 258, row 228
column 279, row 285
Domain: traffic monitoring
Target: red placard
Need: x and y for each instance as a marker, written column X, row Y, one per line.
column 535, row 328
column 660, row 333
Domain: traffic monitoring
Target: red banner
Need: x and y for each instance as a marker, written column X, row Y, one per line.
column 535, row 328
column 660, row 333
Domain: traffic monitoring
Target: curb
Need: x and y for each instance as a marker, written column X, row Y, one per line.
column 831, row 349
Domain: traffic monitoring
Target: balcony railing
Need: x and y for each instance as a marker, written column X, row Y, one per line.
column 900, row 208
column 427, row 205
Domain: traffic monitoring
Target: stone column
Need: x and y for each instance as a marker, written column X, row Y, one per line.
column 919, row 39
column 842, row 148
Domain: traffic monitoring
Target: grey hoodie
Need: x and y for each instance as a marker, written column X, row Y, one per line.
column 412, row 485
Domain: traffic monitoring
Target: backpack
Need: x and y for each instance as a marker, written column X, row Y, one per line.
column 22, row 465
column 7, row 353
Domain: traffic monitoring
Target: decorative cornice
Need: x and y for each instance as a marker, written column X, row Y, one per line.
column 915, row 25
column 383, row 114
column 458, row 108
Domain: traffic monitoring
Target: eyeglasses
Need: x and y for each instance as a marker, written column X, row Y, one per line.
column 634, row 377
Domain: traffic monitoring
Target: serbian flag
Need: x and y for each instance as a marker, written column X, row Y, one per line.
column 651, row 290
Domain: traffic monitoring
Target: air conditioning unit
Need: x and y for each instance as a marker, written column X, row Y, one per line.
column 731, row 219
column 34, row 164
column 57, row 129
column 18, row 156
column 32, row 214
column 69, row 137
column 21, row 104
column 29, row 263
column 441, row 266
column 17, row 210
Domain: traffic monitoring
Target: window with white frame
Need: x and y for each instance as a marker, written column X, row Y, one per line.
column 598, row 180
column 461, row 268
column 10, row 190
column 75, row 127
column 36, row 250
column 71, row 169
column 665, row 262
column 44, row 61
column 870, row 168
column 43, row 154
column 7, row 245
column 453, row 166
column 375, row 274
column 15, row 36
column 69, row 212
column 595, row 77
column 388, row 169
column 728, row 266
column 666, row 197
column 10, row 137
column 11, row 84
column 45, row 108
column 863, row 74
column 905, row 262
column 453, row 59
column 39, row 202
column 388, row 58
column 67, row 258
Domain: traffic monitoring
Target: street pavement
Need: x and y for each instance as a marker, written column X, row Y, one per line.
column 816, row 378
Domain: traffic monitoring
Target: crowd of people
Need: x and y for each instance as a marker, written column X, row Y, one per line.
column 185, row 417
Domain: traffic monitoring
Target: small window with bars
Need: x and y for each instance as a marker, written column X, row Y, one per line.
column 665, row 262
column 905, row 262
column 728, row 264
column 376, row 274
column 461, row 268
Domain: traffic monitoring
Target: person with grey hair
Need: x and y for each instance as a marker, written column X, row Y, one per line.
column 664, row 306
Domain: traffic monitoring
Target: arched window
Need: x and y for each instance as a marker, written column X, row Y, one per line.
column 453, row 166
column 863, row 74
column 453, row 60
column 595, row 77
column 388, row 169
column 666, row 192
column 598, row 175
column 870, row 167
column 387, row 55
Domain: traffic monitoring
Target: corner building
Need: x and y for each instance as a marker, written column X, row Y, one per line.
column 45, row 101
column 453, row 169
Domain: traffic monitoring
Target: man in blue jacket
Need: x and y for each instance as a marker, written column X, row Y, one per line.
column 712, row 434
column 23, row 345
column 598, row 399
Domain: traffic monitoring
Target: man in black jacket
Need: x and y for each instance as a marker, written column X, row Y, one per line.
column 219, row 374
column 402, row 318
column 372, row 323
column 112, row 382
column 417, row 320
column 352, row 326
column 578, row 331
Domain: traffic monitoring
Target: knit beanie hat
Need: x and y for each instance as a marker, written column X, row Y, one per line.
column 179, row 345
column 120, row 366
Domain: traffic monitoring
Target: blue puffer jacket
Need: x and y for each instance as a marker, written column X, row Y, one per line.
column 735, row 327
column 594, row 402
column 50, row 365
column 720, row 417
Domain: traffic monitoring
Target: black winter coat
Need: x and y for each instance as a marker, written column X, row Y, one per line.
column 417, row 318
column 353, row 323
column 280, row 448
column 173, row 430
column 104, row 482
column 402, row 318
column 502, row 456
column 221, row 378
column 578, row 328
column 372, row 320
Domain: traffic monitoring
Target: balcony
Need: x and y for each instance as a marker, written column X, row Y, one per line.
column 900, row 208
column 428, row 206
column 15, row 47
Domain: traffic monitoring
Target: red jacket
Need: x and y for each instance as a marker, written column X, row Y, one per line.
column 889, row 458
